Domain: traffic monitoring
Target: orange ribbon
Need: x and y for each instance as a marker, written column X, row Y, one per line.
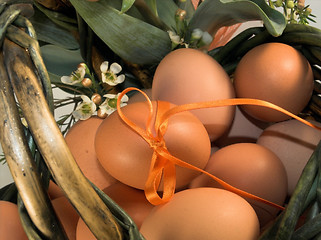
column 163, row 163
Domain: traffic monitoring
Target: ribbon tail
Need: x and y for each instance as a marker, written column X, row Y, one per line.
column 178, row 162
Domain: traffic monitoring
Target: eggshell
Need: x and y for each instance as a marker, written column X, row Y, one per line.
column 83, row 232
column 67, row 215
column 188, row 76
column 207, row 167
column 132, row 200
column 252, row 168
column 80, row 140
column 293, row 142
column 10, row 224
column 138, row 97
column 54, row 191
column 127, row 156
column 277, row 73
column 202, row 213
column 244, row 128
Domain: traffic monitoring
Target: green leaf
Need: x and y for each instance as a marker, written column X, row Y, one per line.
column 49, row 32
column 166, row 11
column 126, row 5
column 213, row 14
column 153, row 6
column 60, row 19
column 130, row 38
column 149, row 15
column 60, row 61
column 131, row 11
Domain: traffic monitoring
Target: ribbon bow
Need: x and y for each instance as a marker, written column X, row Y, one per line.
column 163, row 163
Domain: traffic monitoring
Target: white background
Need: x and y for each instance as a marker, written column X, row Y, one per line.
column 5, row 176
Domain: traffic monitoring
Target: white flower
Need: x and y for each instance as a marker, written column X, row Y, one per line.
column 109, row 74
column 110, row 104
column 84, row 110
column 176, row 39
column 76, row 76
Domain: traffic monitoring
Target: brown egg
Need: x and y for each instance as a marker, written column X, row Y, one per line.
column 188, row 76
column 83, row 232
column 54, row 191
column 293, row 142
column 138, row 97
column 252, row 168
column 127, row 156
column 80, row 140
column 10, row 224
column 199, row 179
column 132, row 200
column 202, row 213
column 67, row 215
column 277, row 73
column 243, row 129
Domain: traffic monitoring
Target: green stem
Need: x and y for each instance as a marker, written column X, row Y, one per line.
column 299, row 196
column 310, row 229
column 69, row 89
column 64, row 100
column 9, row 193
column 7, row 17
column 26, row 41
column 272, row 230
column 227, row 50
column 27, row 224
column 256, row 40
column 64, row 104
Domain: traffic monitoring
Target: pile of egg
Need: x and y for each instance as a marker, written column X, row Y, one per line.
column 260, row 151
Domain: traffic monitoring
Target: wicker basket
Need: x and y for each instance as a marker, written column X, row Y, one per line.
column 37, row 152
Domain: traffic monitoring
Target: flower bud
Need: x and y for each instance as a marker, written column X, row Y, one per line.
column 307, row 12
column 86, row 82
column 278, row 3
column 96, row 98
column 290, row 4
column 82, row 65
column 301, row 4
column 101, row 114
column 180, row 14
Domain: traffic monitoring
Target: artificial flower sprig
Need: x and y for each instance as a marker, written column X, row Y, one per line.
column 295, row 11
column 99, row 101
column 199, row 39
